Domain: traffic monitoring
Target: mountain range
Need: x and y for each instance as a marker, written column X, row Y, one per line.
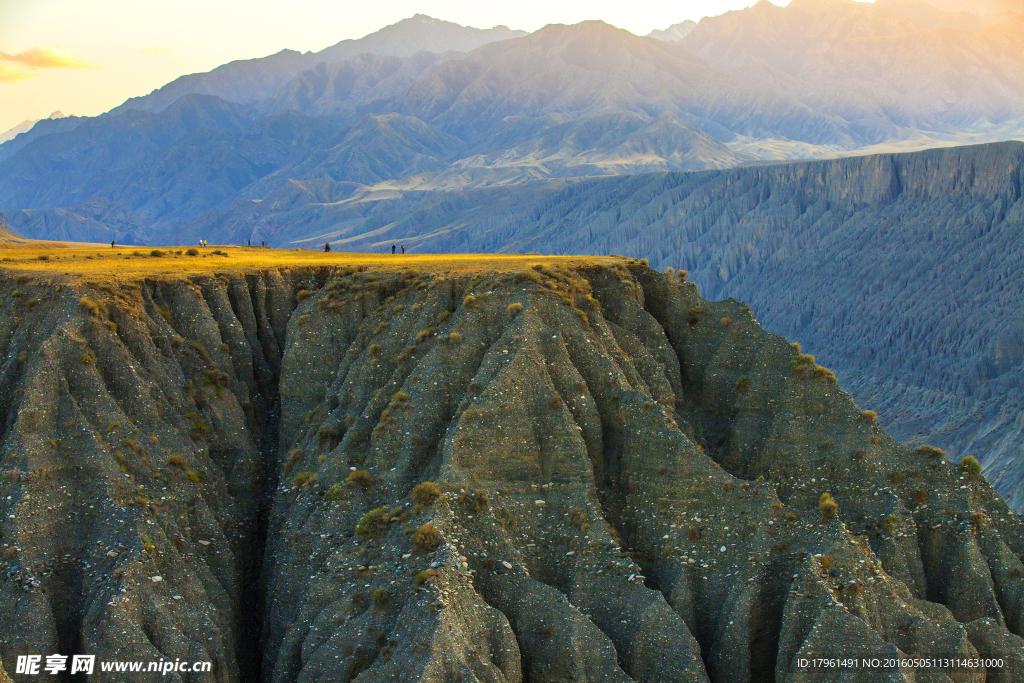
column 565, row 101
column 573, row 139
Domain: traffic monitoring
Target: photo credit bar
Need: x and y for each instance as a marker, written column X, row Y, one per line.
column 35, row 665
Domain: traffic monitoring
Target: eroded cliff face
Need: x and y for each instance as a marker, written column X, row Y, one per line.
column 629, row 486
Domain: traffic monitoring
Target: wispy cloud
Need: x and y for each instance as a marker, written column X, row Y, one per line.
column 13, row 74
column 46, row 58
column 157, row 50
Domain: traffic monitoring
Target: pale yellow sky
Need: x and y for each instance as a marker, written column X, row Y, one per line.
column 87, row 56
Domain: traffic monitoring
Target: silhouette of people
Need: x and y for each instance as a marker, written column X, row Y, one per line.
column 263, row 243
column 111, row 244
column 327, row 246
column 249, row 242
column 392, row 250
column 403, row 249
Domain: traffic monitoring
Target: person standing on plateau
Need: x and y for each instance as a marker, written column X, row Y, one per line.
column 392, row 250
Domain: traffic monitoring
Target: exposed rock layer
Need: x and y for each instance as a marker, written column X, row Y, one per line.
column 629, row 486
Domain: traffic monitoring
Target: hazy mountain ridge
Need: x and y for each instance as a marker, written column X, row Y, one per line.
column 876, row 70
column 675, row 32
column 95, row 220
column 247, row 81
column 345, row 88
column 592, row 68
column 564, row 101
column 39, row 129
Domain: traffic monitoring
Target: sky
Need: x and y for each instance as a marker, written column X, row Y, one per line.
column 85, row 57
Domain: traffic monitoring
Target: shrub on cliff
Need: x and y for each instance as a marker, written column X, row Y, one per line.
column 828, row 507
column 373, row 523
column 970, row 466
column 92, row 307
column 427, row 537
column 426, row 493
column 359, row 478
column 303, row 479
column 930, row 452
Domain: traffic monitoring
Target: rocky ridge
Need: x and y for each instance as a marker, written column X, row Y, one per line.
column 238, row 467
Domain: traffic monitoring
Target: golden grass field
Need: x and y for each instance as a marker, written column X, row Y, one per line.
column 133, row 262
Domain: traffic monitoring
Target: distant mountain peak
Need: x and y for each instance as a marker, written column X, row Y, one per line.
column 675, row 32
column 250, row 80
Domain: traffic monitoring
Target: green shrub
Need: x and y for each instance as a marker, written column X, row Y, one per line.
column 427, row 538
column 294, row 455
column 979, row 520
column 302, row 295
column 869, row 416
column 454, row 338
column 373, row 523
column 970, row 466
column 469, row 300
column 336, row 492
column 515, row 308
column 192, row 252
column 374, row 350
column 426, row 575
column 426, row 493
column 828, row 507
column 693, row 314
column 381, row 598
column 359, row 478
column 425, row 334
column 828, row 375
column 742, row 385
column 156, row 253
column 930, row 452
column 303, row 479
column 93, row 307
